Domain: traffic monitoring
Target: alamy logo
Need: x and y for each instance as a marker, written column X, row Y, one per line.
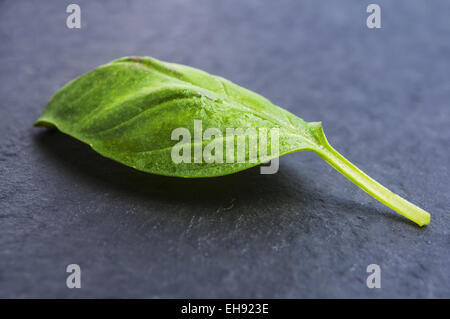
column 374, row 279
column 235, row 145
column 74, row 279
column 74, row 18
column 374, row 19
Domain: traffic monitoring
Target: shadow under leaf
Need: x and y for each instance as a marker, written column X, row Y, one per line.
column 269, row 191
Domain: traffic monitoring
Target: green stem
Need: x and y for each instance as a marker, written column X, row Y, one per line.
column 372, row 187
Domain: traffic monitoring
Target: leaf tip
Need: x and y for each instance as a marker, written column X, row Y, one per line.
column 43, row 123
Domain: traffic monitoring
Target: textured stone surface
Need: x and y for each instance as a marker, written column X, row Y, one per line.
column 384, row 99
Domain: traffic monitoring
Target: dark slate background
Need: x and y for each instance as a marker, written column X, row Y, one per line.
column 383, row 96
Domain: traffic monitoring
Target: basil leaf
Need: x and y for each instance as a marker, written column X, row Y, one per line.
column 128, row 109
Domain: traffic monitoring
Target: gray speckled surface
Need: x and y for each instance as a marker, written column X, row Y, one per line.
column 384, row 99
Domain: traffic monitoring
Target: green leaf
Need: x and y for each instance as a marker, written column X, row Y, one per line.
column 128, row 109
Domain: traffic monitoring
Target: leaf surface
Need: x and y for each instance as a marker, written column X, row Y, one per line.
column 126, row 110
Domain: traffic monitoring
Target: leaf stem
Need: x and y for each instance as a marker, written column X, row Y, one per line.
column 372, row 187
